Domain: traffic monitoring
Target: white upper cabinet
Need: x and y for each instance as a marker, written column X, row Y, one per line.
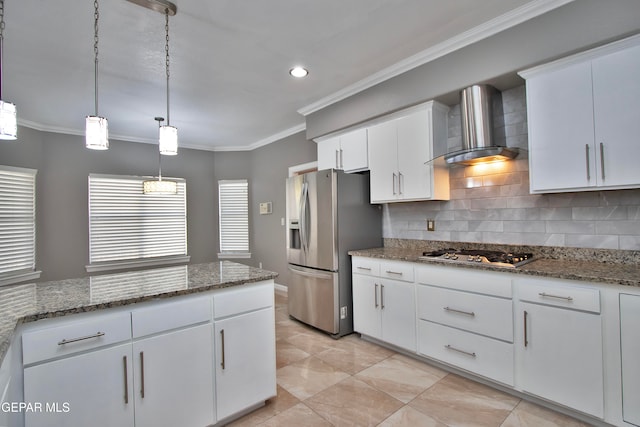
column 582, row 115
column 401, row 151
column 347, row 152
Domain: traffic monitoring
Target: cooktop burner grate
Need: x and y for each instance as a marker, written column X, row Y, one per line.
column 498, row 258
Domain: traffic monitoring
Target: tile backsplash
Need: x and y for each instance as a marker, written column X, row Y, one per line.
column 491, row 203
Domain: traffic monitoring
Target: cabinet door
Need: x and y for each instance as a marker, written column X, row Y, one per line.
column 91, row 389
column 329, row 153
column 616, row 91
column 562, row 357
column 174, row 378
column 366, row 305
column 561, row 129
column 630, row 344
column 353, row 146
column 383, row 162
column 397, row 305
column 414, row 150
column 245, row 361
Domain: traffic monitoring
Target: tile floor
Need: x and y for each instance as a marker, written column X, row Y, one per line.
column 352, row 382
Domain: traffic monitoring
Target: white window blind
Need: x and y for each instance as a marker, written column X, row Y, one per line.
column 17, row 223
column 234, row 216
column 126, row 225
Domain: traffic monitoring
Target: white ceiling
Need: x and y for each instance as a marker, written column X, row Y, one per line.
column 230, row 87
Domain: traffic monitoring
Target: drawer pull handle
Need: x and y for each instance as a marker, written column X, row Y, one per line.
column 88, row 337
column 602, row 159
column 526, row 339
column 126, row 381
column 448, row 347
column 382, row 297
column 394, row 272
column 142, row 374
column 468, row 313
column 222, row 363
column 375, row 295
column 545, row 295
column 364, row 268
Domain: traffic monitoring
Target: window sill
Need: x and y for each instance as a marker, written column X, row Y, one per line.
column 131, row 264
column 234, row 255
column 20, row 277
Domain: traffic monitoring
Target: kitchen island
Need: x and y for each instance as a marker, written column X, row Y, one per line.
column 171, row 328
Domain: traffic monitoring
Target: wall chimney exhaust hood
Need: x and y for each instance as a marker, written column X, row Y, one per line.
column 479, row 106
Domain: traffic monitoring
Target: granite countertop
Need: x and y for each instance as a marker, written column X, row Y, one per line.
column 33, row 301
column 627, row 274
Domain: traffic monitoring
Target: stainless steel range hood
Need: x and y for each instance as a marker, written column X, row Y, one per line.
column 479, row 105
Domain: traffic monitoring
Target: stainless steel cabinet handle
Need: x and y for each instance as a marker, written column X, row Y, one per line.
column 526, row 340
column 394, row 184
column 337, row 160
column 545, row 295
column 468, row 313
column 382, row 297
column 375, row 293
column 341, row 159
column 400, row 182
column 126, row 381
column 364, row 268
column 398, row 273
column 142, row 374
column 448, row 347
column 88, row 337
column 586, row 147
column 222, row 364
column 602, row 159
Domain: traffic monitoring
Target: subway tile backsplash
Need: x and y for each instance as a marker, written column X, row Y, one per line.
column 492, row 204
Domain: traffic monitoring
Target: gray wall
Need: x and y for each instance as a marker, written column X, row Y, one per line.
column 63, row 165
column 575, row 26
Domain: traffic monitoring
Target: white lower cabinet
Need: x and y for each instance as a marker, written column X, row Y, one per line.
column 385, row 308
column 630, row 347
column 90, row 389
column 561, row 345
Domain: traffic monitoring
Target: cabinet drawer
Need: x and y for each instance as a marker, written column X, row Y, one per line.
column 397, row 270
column 74, row 335
column 366, row 266
column 466, row 279
column 559, row 295
column 170, row 315
column 242, row 299
column 475, row 313
column 483, row 356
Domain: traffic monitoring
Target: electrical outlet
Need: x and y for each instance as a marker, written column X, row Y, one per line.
column 343, row 312
column 431, row 225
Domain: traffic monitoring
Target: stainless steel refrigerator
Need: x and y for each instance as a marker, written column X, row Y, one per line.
column 328, row 214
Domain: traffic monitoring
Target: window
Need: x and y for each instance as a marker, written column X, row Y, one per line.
column 234, row 218
column 129, row 229
column 17, row 225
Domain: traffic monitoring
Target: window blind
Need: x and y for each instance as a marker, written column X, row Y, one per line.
column 17, row 221
column 125, row 224
column 234, row 216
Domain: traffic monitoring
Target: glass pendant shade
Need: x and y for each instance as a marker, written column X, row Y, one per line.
column 97, row 133
column 168, row 137
column 160, row 187
column 8, row 121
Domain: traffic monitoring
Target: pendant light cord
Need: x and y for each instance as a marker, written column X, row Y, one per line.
column 166, row 50
column 96, row 16
column 1, row 44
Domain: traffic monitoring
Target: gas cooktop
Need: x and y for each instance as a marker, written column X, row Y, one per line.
column 493, row 258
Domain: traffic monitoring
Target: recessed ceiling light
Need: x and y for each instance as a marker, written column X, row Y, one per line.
column 298, row 72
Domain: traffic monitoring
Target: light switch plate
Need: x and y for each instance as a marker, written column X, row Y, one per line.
column 266, row 208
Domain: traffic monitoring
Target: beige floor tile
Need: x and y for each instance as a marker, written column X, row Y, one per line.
column 282, row 402
column 299, row 415
column 287, row 353
column 354, row 403
column 457, row 401
column 401, row 377
column 312, row 342
column 309, row 376
column 409, row 417
column 354, row 342
column 350, row 360
column 527, row 414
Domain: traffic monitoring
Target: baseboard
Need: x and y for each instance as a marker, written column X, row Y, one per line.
column 282, row 289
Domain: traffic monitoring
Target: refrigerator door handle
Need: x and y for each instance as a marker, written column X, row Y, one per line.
column 308, row 273
column 303, row 214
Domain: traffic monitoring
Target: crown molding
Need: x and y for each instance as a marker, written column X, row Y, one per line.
column 503, row 22
column 266, row 141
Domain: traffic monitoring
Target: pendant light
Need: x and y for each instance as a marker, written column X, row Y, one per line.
column 167, row 135
column 8, row 118
column 97, row 128
column 158, row 186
